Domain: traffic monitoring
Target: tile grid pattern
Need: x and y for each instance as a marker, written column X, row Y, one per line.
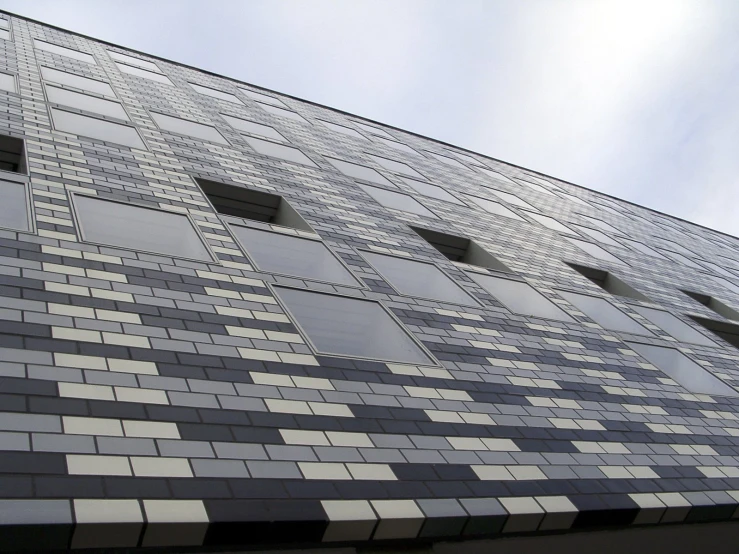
column 157, row 401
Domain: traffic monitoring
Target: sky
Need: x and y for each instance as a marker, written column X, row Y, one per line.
column 635, row 98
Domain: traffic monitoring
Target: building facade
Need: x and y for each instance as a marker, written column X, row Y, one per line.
column 233, row 318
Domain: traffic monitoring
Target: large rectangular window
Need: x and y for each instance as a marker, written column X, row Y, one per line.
column 549, row 223
column 357, row 171
column 213, row 93
column 12, row 154
column 493, row 207
column 144, row 74
column 187, row 127
column 397, row 167
column 281, row 112
column 397, row 201
column 594, row 250
column 294, row 256
column 130, row 60
column 446, row 160
column 395, row 145
column 595, row 234
column 98, row 129
column 76, row 81
column 287, row 153
column 7, row 82
column 343, row 326
column 604, row 313
column 63, row 51
column 14, row 206
column 513, row 199
column 674, row 326
column 138, row 228
column 265, row 99
column 252, row 128
column 434, row 191
column 85, row 102
column 418, row 279
column 348, row 131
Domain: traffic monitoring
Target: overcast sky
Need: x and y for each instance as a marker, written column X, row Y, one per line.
column 635, row 98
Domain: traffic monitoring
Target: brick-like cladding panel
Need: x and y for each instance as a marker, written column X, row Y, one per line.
column 137, row 387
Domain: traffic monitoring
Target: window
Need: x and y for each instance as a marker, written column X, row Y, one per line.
column 12, row 155
column 536, row 187
column 602, row 225
column 725, row 283
column 4, row 34
column 144, row 74
column 674, row 326
column 604, row 313
column 397, row 167
column 98, row 129
column 262, row 97
column 675, row 247
column 574, row 199
column 496, row 175
column 427, row 189
column 138, row 228
column 14, row 206
column 341, row 129
column 448, row 161
column 397, row 145
column 85, row 102
column 594, row 250
column 237, row 201
column 343, row 326
column 374, row 130
column 541, row 181
column 7, row 82
column 718, row 269
column 682, row 369
column 357, row 171
column 520, row 297
column 643, row 248
column 63, row 51
column 609, row 209
column 130, row 60
column 288, row 114
column 460, row 249
column 397, row 201
column 512, row 199
column 420, row 279
column 213, row 93
column 293, row 256
column 188, row 128
column 714, row 304
column 253, row 128
column 723, row 330
column 72, row 80
column 287, row 153
column 608, row 282
column 469, row 159
column 493, row 207
column 679, row 258
column 597, row 235
column 549, row 222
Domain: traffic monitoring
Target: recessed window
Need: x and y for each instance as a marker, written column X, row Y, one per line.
column 280, row 112
column 608, row 282
column 213, row 93
column 602, row 225
column 493, row 207
column 448, row 161
column 604, row 313
column 85, row 102
column 293, row 256
column 520, row 297
column 714, row 304
column 643, row 248
column 594, row 250
column 427, row 189
column 460, row 249
column 419, row 279
column 7, row 82
column 12, row 155
column 287, row 153
column 374, row 130
column 342, row 129
column 98, row 129
column 343, row 326
column 14, row 206
column 253, row 128
column 595, row 234
column 397, row 167
column 397, row 145
column 536, row 187
column 138, row 228
column 76, row 81
column 679, row 258
column 549, row 223
column 469, row 159
column 63, row 51
column 723, row 330
column 512, row 199
column 357, row 171
column 238, row 201
column 496, row 175
column 188, row 128
column 130, row 60
column 262, row 97
column 683, row 370
column 673, row 326
column 144, row 74
column 397, row 201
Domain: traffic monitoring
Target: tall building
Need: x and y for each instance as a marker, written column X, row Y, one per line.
column 231, row 318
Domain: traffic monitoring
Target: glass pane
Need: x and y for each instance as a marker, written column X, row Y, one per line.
column 4, row 35
column 63, row 51
column 537, row 188
column 418, row 279
column 674, row 326
column 213, row 93
column 190, row 128
column 287, row 153
column 138, row 72
column 549, row 222
column 597, row 235
column 495, row 174
column 137, row 228
column 448, row 161
column 493, row 207
column 253, row 128
column 427, row 189
column 130, row 60
column 679, row 258
column 343, row 130
column 397, row 167
column 13, row 206
column 643, row 248
column 357, row 171
column 397, row 201
column 85, row 102
column 604, row 313
column 520, row 297
column 289, row 114
column 290, row 255
column 262, row 97
column 513, row 199
column 99, row 129
column 602, row 225
column 71, row 80
column 469, row 159
column 594, row 250
column 351, row 327
column 373, row 130
column 399, row 146
column 683, row 370
column 7, row 82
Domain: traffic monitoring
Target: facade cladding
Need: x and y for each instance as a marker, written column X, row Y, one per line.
column 231, row 317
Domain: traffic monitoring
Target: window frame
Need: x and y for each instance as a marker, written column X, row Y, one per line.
column 398, row 191
column 65, row 107
column 36, row 39
column 16, row 83
column 24, row 180
column 289, row 145
column 159, row 128
column 73, row 88
column 101, row 118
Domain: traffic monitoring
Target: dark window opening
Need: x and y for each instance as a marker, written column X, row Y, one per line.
column 608, row 282
column 12, row 154
column 460, row 249
column 714, row 304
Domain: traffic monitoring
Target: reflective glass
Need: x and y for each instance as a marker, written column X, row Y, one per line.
column 374, row 130
column 397, row 167
column 513, row 199
column 495, row 175
column 343, row 130
column 213, row 93
column 85, row 102
column 189, row 128
column 13, row 206
column 253, row 128
column 130, row 60
column 597, row 235
column 674, row 326
column 643, row 248
column 144, row 74
column 594, row 250
column 604, row 313
column 679, row 258
column 7, row 82
column 397, row 201
column 493, row 207
column 98, row 129
column 262, row 97
column 448, row 161
column 357, row 171
column 63, row 51
column 549, row 222
column 76, row 81
column 289, row 114
column 427, row 189
column 399, row 146
column 287, row 153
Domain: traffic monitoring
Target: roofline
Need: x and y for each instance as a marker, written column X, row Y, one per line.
column 12, row 14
